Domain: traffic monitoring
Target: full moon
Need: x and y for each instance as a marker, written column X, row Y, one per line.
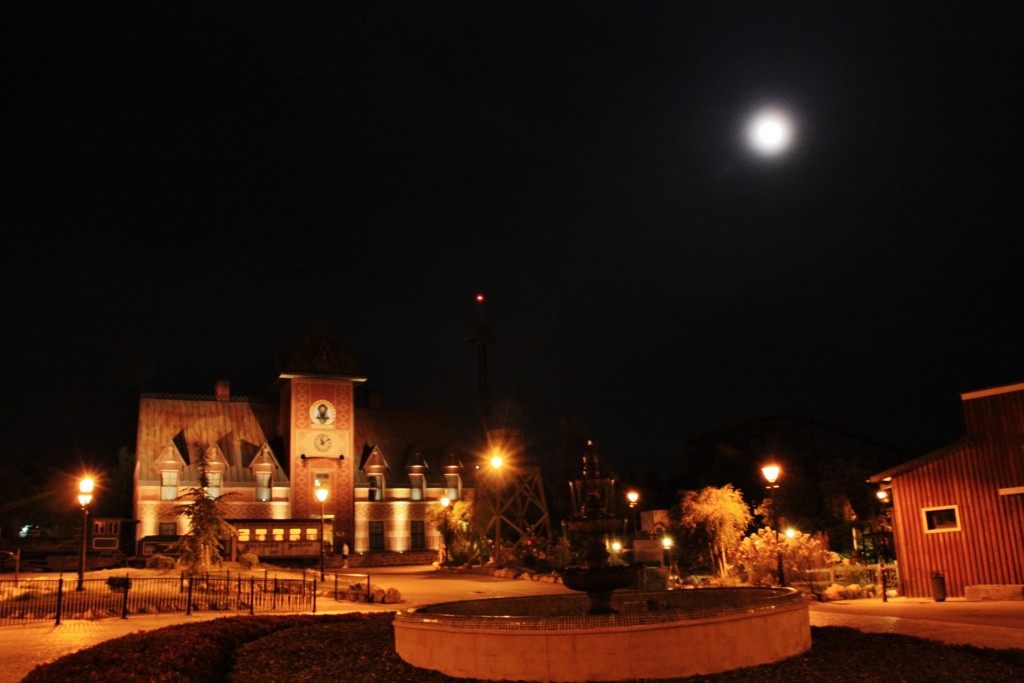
column 770, row 132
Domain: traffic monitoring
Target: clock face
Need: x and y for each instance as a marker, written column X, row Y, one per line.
column 321, row 413
column 322, row 442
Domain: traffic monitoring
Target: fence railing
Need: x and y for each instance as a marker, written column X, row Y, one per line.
column 857, row 573
column 41, row 600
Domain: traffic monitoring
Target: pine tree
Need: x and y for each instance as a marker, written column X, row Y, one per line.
column 201, row 547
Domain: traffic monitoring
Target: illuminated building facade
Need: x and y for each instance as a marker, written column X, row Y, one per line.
column 382, row 469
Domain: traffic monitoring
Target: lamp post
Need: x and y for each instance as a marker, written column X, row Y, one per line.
column 446, row 529
column 633, row 497
column 496, row 463
column 771, row 474
column 85, row 487
column 883, row 498
column 321, row 495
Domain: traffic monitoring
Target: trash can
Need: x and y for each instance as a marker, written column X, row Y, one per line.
column 939, row 586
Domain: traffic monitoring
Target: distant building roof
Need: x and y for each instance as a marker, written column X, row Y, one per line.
column 422, row 438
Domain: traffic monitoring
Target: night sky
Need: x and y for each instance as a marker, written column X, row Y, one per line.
column 190, row 189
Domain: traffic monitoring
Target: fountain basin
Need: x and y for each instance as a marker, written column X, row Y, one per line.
column 590, row 579
column 653, row 634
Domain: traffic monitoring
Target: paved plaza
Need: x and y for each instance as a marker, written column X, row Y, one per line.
column 984, row 624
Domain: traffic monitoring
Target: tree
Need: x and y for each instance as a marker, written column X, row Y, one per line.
column 462, row 541
column 722, row 516
column 201, row 547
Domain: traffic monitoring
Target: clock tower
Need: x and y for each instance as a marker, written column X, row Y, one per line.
column 317, row 418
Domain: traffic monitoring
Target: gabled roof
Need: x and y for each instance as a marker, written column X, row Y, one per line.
column 173, row 427
column 264, row 457
column 921, row 461
column 318, row 355
column 373, row 459
column 420, row 438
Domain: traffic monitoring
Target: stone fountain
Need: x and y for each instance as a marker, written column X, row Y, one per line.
column 600, row 629
column 593, row 523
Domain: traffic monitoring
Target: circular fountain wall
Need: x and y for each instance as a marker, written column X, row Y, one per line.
column 663, row 634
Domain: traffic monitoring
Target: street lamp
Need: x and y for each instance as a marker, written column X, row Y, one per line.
column 771, row 474
column 633, row 497
column 666, row 546
column 496, row 464
column 321, row 495
column 446, row 529
column 85, row 487
column 883, row 498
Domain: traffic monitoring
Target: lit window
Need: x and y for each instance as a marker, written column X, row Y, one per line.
column 417, row 484
column 294, row 534
column 214, row 481
column 278, row 534
column 243, row 535
column 312, row 533
column 261, row 534
column 169, row 485
column 263, row 487
column 941, row 519
column 453, row 486
column 376, row 487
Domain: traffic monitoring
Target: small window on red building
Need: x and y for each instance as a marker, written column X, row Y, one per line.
column 941, row 519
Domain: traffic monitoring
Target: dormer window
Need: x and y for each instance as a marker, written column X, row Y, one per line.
column 453, row 486
column 169, row 485
column 169, row 464
column 417, row 487
column 214, row 482
column 376, row 492
column 375, row 466
column 263, row 474
column 215, row 469
column 263, row 490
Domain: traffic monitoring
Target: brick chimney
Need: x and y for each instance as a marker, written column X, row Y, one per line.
column 223, row 390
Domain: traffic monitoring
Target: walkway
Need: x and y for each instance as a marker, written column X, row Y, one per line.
column 984, row 624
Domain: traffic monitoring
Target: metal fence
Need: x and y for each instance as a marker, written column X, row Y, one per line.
column 41, row 600
column 862, row 574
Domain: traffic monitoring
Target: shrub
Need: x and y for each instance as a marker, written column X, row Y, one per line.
column 248, row 560
column 803, row 555
column 119, row 584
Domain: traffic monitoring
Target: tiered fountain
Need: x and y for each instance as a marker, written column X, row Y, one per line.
column 592, row 523
column 611, row 633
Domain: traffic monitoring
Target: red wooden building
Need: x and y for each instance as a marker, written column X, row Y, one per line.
column 959, row 510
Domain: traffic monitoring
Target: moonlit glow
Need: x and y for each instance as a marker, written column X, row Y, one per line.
column 770, row 132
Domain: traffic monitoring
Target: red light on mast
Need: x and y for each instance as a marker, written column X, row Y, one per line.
column 479, row 298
